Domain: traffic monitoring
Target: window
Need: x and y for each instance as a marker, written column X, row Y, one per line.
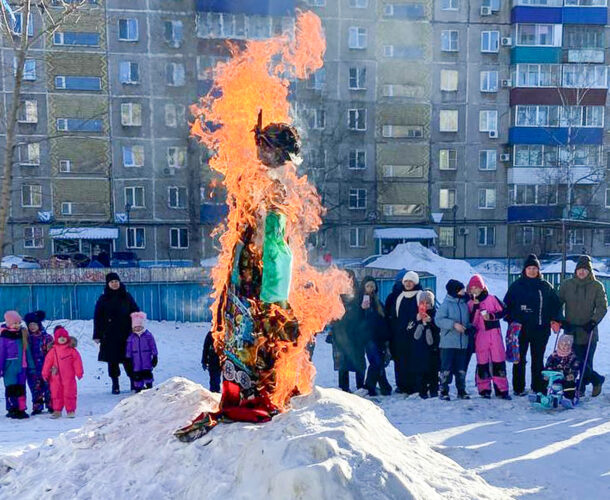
column 174, row 74
column 356, row 119
column 206, row 66
column 176, row 197
column 317, row 3
column 449, row 4
column 29, row 154
column 131, row 114
column 129, row 73
column 447, row 159
column 448, row 120
column 357, row 159
column 538, row 75
column 402, row 131
column 259, row 27
column 535, row 34
column 178, row 238
column 583, row 37
column 494, row 5
column 576, row 237
column 487, row 198
column 446, row 198
column 585, row 76
column 133, row 156
column 176, row 157
column 317, row 119
column 488, row 121
column 486, row 236
column 357, row 78
column 487, row 159
column 79, row 125
column 65, row 166
column 136, row 237
column 78, row 83
column 489, row 81
column 128, row 30
column 28, row 111
column 449, row 80
column 317, row 80
column 559, row 116
column 18, row 26
column 357, row 237
column 31, row 196
column 174, row 115
column 174, row 33
column 359, row 4
column 33, row 237
column 75, row 38
column 446, row 236
column 29, row 69
column 134, row 196
column 525, row 236
column 66, row 208
column 490, row 41
column 357, row 199
column 317, row 159
column 531, row 194
column 357, row 38
column 449, row 41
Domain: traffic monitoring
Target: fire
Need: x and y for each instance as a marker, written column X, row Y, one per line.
column 255, row 78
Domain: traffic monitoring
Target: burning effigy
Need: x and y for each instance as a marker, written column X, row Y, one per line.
column 269, row 302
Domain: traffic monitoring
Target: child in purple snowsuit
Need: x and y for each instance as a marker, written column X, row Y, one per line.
column 565, row 361
column 40, row 343
column 15, row 360
column 142, row 351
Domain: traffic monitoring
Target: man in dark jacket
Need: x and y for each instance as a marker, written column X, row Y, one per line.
column 585, row 306
column 112, row 326
column 211, row 362
column 533, row 303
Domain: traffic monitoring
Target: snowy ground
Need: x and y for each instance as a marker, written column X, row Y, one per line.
column 560, row 454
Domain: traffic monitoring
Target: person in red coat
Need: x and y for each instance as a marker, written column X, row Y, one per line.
column 61, row 367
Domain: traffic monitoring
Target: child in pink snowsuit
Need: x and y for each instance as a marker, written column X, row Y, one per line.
column 485, row 314
column 61, row 367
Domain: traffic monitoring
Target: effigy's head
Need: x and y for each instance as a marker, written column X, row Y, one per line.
column 277, row 143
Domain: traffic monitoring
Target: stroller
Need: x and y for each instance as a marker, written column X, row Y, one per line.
column 554, row 397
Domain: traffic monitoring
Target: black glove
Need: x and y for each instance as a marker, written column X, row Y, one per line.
column 155, row 360
column 590, row 326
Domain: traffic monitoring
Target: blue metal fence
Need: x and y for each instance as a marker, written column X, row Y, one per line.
column 385, row 285
column 161, row 301
column 555, row 280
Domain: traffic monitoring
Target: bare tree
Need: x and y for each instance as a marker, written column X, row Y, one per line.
column 54, row 14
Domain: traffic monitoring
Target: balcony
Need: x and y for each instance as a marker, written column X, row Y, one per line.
column 533, row 213
column 535, row 54
column 555, row 136
column 558, row 96
column 551, row 175
column 248, row 7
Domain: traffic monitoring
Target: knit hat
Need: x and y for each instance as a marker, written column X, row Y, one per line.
column 111, row 277
column 138, row 319
column 411, row 276
column 425, row 295
column 35, row 317
column 584, row 262
column 59, row 332
column 453, row 287
column 12, row 317
column 531, row 260
column 477, row 280
column 564, row 345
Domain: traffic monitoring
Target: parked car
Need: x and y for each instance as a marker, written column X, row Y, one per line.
column 20, row 262
column 125, row 259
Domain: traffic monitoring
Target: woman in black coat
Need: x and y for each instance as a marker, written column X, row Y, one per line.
column 112, row 326
column 533, row 303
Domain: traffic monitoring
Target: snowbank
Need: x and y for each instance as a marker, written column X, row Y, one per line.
column 419, row 258
column 333, row 445
column 555, row 267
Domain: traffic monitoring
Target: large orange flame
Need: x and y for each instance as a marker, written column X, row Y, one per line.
column 258, row 77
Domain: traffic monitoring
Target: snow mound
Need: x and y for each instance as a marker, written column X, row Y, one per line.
column 414, row 256
column 332, row 445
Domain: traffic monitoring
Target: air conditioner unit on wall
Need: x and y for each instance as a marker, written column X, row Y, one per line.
column 505, row 157
column 493, row 134
column 506, row 41
column 507, row 83
column 463, row 231
column 485, row 10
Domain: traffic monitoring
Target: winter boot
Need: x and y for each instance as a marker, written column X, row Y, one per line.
column 56, row 414
column 21, row 414
column 505, row 395
column 115, row 385
column 486, row 394
column 521, row 394
column 11, row 413
column 132, row 385
column 597, row 388
column 463, row 395
column 138, row 390
column 37, row 411
column 70, row 414
column 444, row 396
column 149, row 385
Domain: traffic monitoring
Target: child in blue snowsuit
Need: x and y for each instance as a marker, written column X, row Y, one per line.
column 15, row 360
column 40, row 343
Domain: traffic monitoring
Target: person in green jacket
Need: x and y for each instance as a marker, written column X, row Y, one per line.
column 585, row 304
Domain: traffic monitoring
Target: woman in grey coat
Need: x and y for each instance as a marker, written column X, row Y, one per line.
column 453, row 319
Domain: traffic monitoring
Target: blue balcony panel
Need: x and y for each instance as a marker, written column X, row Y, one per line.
column 213, row 213
column 249, row 7
column 585, row 15
column 526, row 54
column 555, row 135
column 526, row 14
column 524, row 213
